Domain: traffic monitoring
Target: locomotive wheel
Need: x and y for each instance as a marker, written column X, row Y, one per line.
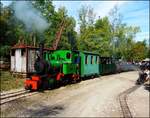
column 28, row 87
column 52, row 86
column 79, row 80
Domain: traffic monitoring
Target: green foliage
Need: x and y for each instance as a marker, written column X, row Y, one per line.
column 107, row 36
column 139, row 51
column 5, row 51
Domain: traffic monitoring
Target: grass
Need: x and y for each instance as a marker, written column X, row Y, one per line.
column 8, row 82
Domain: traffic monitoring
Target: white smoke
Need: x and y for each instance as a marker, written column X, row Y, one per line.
column 30, row 16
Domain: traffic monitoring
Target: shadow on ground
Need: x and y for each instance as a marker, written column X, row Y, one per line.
column 147, row 87
column 45, row 111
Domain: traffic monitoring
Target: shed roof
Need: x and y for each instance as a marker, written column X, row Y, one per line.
column 21, row 46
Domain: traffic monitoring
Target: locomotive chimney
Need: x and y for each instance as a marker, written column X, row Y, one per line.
column 41, row 48
column 41, row 45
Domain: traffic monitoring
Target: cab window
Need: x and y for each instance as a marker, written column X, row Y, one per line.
column 58, row 57
column 68, row 55
column 52, row 57
column 77, row 60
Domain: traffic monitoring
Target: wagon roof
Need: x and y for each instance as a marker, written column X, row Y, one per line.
column 86, row 52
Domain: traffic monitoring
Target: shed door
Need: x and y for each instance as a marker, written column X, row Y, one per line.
column 18, row 60
column 12, row 63
column 23, row 63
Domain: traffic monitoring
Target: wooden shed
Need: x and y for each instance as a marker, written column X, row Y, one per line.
column 23, row 59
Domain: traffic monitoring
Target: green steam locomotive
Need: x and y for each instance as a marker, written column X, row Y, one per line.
column 59, row 67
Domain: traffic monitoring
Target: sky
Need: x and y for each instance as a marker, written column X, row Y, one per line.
column 135, row 13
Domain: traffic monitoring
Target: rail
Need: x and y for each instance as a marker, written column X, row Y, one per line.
column 11, row 96
column 123, row 101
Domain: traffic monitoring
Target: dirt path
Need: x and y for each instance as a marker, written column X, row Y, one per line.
column 90, row 98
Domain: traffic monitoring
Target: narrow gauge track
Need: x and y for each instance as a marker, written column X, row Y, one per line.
column 123, row 101
column 8, row 97
column 9, row 93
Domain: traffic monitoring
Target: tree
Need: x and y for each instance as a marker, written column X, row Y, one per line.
column 139, row 50
column 107, row 36
column 103, row 32
column 122, row 34
column 7, row 31
column 82, row 18
column 86, row 17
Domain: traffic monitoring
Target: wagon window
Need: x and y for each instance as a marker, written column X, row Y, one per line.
column 107, row 61
column 13, row 52
column 92, row 59
column 97, row 61
column 110, row 61
column 100, row 60
column 86, row 59
column 104, row 61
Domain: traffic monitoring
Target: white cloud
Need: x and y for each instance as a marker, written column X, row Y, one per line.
column 101, row 8
column 59, row 4
column 104, row 7
column 6, row 3
column 141, row 36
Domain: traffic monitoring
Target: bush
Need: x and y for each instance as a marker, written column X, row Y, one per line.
column 9, row 82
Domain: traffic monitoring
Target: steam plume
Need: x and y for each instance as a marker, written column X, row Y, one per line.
column 31, row 17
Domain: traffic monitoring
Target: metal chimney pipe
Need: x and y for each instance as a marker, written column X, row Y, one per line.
column 41, row 49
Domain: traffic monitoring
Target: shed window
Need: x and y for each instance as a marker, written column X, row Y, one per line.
column 86, row 59
column 13, row 52
column 22, row 52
